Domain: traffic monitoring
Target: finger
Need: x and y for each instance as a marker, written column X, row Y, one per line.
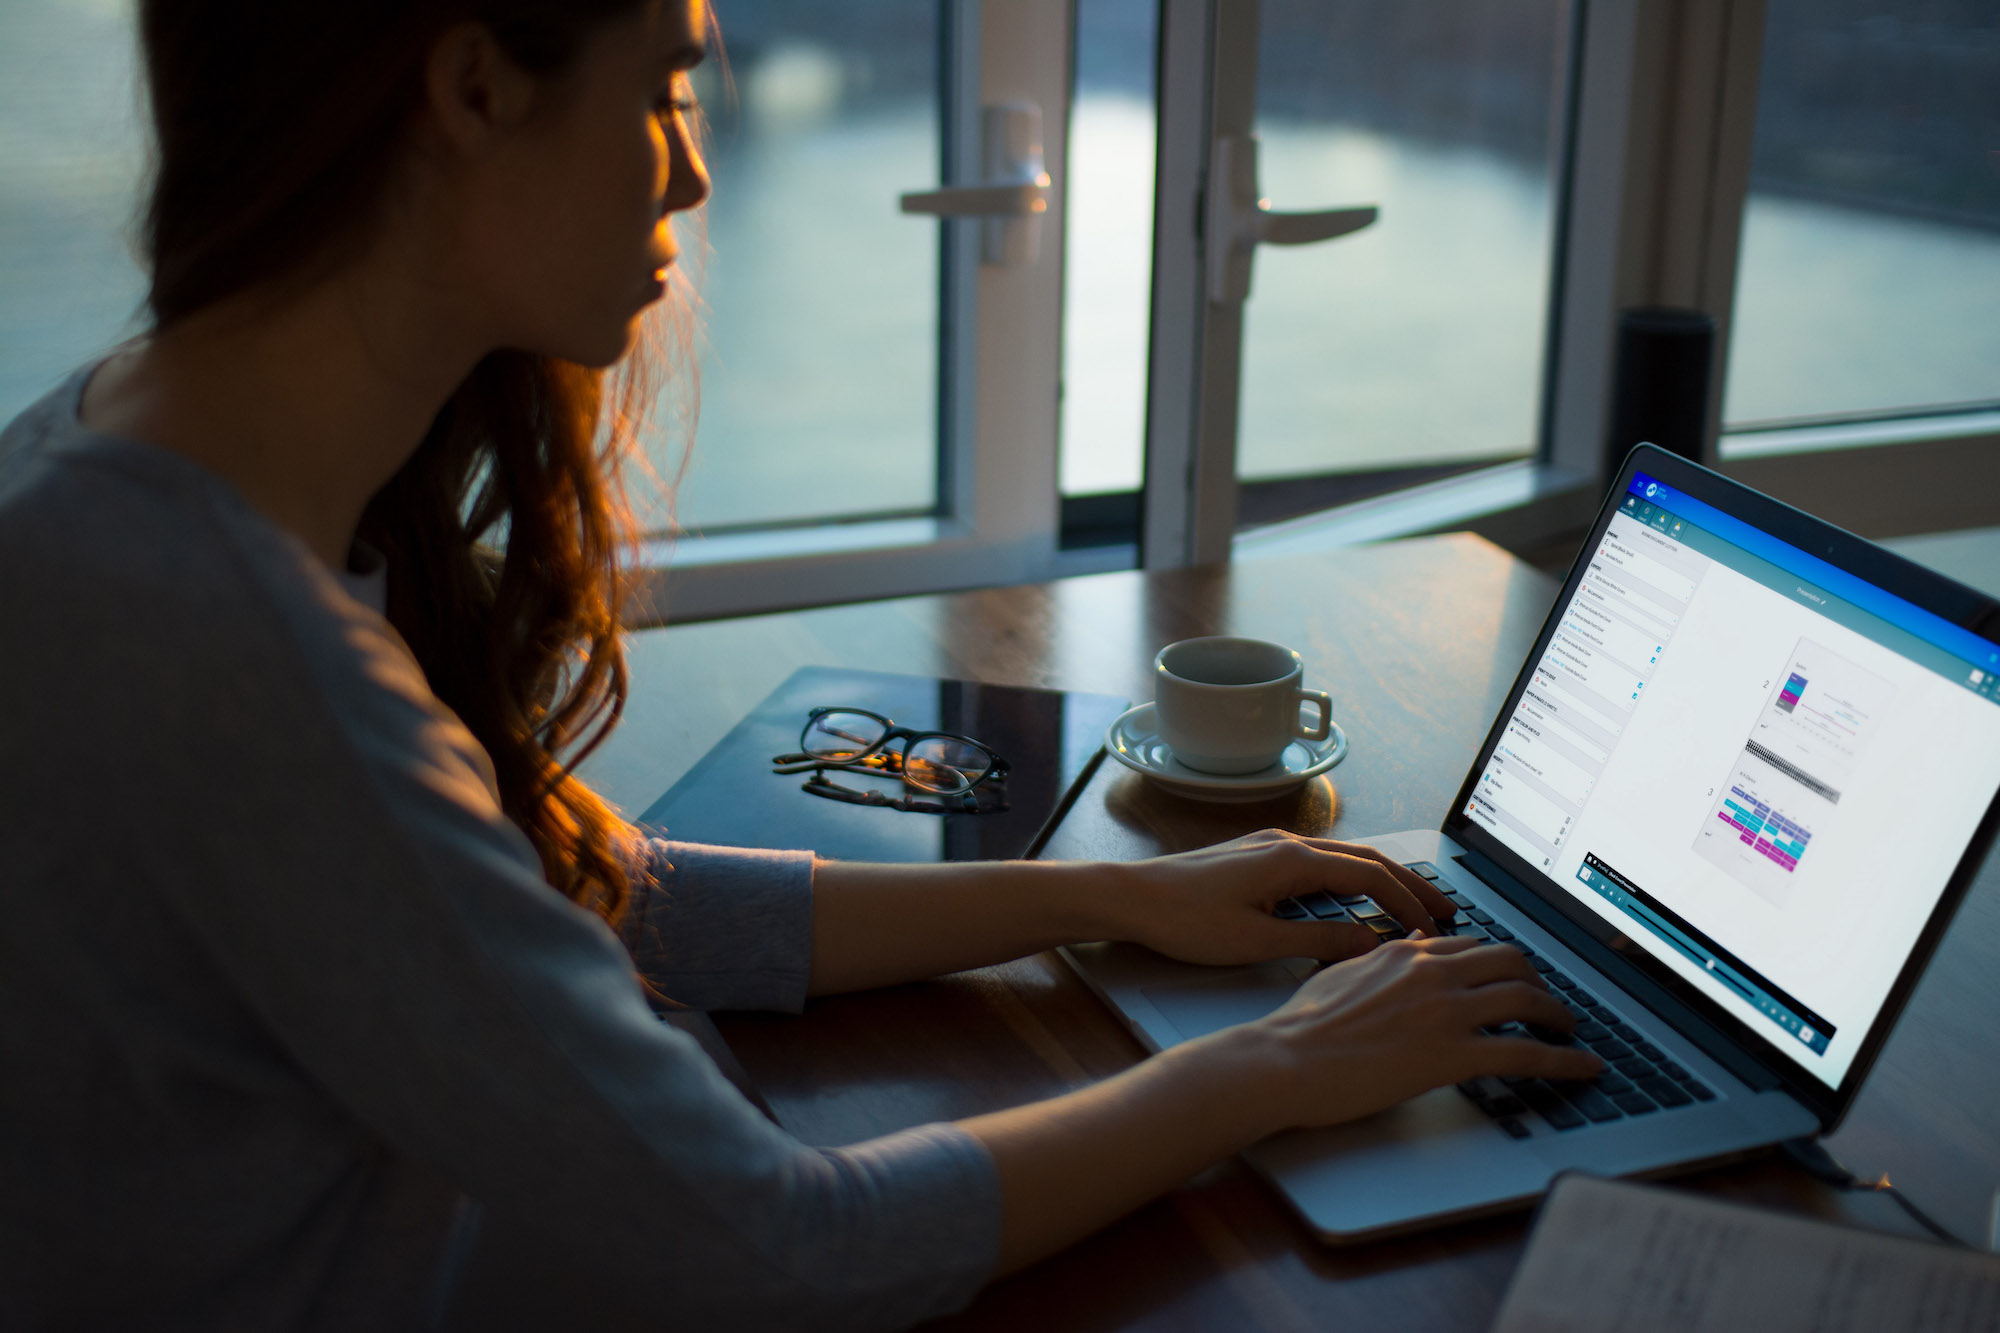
column 1427, row 894
column 1363, row 874
column 1522, row 1057
column 1517, row 1002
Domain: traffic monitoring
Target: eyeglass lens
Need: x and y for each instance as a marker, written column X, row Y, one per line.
column 942, row 764
column 839, row 737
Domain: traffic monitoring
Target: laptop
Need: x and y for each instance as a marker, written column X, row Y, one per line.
column 1744, row 778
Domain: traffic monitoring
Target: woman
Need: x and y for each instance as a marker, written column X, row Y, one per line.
column 315, row 955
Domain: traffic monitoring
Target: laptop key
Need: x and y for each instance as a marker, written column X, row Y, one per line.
column 1631, row 1066
column 1589, row 1031
column 1424, row 868
column 1700, row 1091
column 1499, row 932
column 1480, row 915
column 1290, row 910
column 1625, row 1031
column 1674, row 1071
column 1514, row 1128
column 1539, row 963
column 1598, row 1107
column 1587, row 1000
column 1664, row 1091
column 1561, row 982
column 1611, row 1048
column 1611, row 1082
column 1650, row 1051
column 1633, row 1103
column 1367, row 911
column 1549, row 1105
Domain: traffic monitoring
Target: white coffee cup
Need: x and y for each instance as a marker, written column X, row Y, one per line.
column 1228, row 705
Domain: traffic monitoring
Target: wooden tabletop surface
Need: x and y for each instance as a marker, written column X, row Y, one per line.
column 1417, row 642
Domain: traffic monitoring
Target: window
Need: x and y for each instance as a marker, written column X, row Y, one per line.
column 1869, row 277
column 893, row 405
column 1108, row 269
column 1415, row 347
column 820, row 378
column 70, row 156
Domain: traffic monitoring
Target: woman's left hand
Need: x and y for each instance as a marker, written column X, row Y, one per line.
column 1214, row 905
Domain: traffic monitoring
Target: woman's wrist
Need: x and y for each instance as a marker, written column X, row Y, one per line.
column 1241, row 1078
column 1105, row 899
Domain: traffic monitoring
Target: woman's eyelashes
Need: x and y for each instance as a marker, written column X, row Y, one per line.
column 677, row 100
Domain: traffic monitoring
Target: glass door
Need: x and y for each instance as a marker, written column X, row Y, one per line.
column 1415, row 347
column 1365, row 283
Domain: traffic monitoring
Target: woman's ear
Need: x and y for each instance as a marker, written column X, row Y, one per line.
column 476, row 95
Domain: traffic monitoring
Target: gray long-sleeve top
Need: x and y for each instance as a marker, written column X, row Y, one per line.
column 284, row 1000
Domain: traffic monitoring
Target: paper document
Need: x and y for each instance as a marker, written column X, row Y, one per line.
column 1616, row 1257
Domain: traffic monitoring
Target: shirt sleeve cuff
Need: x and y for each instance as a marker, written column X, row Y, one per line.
column 724, row 927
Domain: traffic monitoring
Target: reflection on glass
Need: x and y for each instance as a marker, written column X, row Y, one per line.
column 1108, row 259
column 1420, row 340
column 820, row 368
column 71, row 145
column 1869, row 276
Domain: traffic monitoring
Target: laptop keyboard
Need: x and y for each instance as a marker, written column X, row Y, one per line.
column 1639, row 1078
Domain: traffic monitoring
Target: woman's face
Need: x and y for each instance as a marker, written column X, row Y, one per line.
column 575, row 241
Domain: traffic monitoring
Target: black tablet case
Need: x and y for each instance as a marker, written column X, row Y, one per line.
column 1052, row 740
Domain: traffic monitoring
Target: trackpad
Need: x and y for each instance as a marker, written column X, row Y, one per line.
column 1240, row 995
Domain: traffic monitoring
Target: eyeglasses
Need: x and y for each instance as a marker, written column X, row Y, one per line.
column 935, row 761
column 857, row 740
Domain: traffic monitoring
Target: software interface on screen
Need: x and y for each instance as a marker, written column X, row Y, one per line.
column 1755, row 765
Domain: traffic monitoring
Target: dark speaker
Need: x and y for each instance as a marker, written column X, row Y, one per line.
column 1660, row 380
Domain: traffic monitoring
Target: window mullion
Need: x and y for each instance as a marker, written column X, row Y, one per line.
column 1174, row 359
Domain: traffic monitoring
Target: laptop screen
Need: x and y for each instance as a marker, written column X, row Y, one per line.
column 1758, row 767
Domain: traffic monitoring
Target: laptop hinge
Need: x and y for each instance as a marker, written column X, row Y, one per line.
column 1675, row 1012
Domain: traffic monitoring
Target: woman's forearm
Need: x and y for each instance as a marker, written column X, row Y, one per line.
column 1071, row 1165
column 877, row 925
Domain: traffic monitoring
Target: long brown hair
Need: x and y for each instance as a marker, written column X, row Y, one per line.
column 279, row 125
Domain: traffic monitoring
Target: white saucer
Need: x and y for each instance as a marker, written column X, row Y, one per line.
column 1134, row 742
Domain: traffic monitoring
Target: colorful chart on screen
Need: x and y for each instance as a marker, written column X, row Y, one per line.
column 1787, row 780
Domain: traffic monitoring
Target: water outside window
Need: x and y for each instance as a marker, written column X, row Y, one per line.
column 1869, row 280
column 1418, row 342
column 1108, row 257
column 71, row 150
column 819, row 389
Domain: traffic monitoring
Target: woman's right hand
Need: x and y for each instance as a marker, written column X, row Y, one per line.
column 1404, row 1018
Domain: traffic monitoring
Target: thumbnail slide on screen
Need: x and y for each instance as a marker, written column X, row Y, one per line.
column 1785, row 784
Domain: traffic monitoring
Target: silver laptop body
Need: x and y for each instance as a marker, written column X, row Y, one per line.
column 1800, row 678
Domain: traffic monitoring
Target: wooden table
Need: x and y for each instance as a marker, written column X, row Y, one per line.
column 1417, row 642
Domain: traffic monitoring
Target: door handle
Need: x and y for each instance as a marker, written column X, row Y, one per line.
column 1013, row 193
column 1238, row 221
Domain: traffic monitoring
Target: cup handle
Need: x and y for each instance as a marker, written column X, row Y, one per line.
column 1325, row 727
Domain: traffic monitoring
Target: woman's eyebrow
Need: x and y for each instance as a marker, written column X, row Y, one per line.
column 686, row 56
